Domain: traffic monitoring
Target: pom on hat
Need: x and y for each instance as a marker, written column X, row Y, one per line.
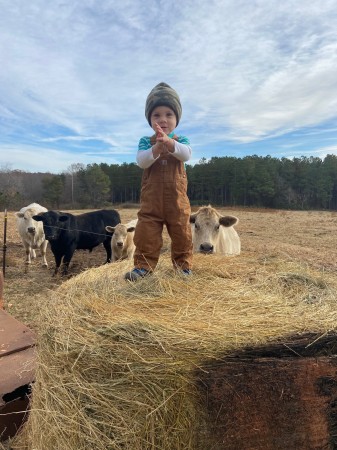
column 163, row 95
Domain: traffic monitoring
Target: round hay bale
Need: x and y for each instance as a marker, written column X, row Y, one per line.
column 120, row 363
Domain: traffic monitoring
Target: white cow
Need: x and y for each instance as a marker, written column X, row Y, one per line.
column 213, row 233
column 31, row 232
column 122, row 244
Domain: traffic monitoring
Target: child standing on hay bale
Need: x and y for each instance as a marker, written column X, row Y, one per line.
column 164, row 187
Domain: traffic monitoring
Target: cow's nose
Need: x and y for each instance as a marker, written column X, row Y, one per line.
column 119, row 244
column 206, row 248
column 31, row 229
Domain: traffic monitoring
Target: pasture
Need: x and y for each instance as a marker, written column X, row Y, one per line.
column 306, row 237
column 283, row 283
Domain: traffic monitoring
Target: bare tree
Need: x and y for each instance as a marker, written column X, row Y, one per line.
column 73, row 170
column 11, row 187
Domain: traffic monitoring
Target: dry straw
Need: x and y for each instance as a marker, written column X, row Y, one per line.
column 117, row 361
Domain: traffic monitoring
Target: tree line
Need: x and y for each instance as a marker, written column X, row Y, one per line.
column 251, row 181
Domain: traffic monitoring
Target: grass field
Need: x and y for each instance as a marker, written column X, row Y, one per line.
column 305, row 237
column 283, row 283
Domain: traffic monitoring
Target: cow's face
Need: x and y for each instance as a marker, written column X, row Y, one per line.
column 53, row 223
column 120, row 234
column 30, row 225
column 207, row 225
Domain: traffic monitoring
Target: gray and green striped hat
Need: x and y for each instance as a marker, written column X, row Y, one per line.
column 163, row 95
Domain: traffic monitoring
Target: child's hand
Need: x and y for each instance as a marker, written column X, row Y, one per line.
column 164, row 144
column 160, row 134
column 159, row 149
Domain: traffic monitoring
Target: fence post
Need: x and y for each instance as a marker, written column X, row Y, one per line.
column 4, row 245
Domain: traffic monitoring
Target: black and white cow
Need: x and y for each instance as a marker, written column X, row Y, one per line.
column 67, row 232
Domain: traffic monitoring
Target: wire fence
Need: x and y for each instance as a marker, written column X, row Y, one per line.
column 80, row 231
column 4, row 247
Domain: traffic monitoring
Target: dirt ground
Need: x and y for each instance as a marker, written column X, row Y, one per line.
column 306, row 237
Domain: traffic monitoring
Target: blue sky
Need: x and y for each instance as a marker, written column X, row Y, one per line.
column 254, row 77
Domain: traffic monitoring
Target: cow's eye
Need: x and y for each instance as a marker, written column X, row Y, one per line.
column 196, row 226
column 217, row 227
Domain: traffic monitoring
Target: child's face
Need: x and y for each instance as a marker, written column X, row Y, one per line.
column 165, row 118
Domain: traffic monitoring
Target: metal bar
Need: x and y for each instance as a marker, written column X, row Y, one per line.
column 4, row 245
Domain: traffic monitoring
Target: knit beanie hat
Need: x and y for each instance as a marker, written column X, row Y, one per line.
column 163, row 95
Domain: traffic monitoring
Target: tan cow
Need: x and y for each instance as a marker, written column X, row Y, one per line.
column 213, row 233
column 31, row 232
column 122, row 244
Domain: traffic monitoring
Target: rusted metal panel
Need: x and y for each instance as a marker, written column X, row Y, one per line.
column 16, row 370
column 12, row 417
column 16, row 376
column 17, row 373
column 14, row 335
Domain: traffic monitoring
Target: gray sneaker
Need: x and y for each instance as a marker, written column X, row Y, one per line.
column 186, row 272
column 136, row 274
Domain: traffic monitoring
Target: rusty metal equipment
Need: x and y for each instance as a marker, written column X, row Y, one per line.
column 17, row 372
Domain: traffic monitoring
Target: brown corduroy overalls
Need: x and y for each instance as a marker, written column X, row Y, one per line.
column 164, row 201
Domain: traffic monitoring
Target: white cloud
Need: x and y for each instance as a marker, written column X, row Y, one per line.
column 321, row 152
column 46, row 159
column 246, row 71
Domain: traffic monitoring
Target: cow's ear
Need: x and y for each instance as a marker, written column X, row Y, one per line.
column 130, row 229
column 110, row 229
column 228, row 221
column 19, row 214
column 37, row 218
column 63, row 218
column 192, row 218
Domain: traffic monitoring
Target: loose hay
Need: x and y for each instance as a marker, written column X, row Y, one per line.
column 117, row 360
